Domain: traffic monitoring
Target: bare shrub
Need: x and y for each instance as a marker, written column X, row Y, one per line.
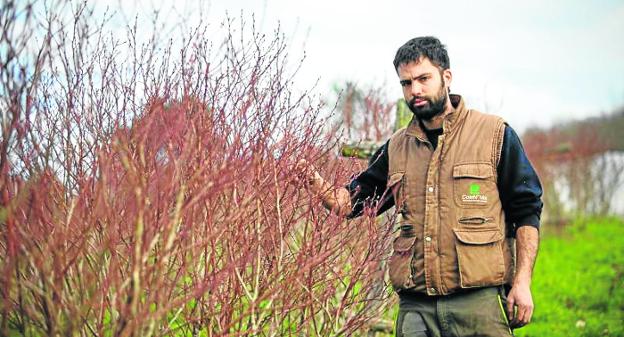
column 364, row 113
column 148, row 191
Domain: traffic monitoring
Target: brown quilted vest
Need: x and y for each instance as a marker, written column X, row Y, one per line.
column 453, row 232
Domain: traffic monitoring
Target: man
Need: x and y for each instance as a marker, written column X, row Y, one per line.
column 470, row 205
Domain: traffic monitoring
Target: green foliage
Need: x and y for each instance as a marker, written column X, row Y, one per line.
column 403, row 115
column 578, row 283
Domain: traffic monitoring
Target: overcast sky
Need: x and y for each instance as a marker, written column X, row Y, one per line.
column 533, row 62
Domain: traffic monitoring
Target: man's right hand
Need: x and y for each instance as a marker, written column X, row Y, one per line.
column 309, row 175
column 335, row 199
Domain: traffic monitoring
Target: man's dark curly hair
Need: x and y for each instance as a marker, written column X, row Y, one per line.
column 427, row 46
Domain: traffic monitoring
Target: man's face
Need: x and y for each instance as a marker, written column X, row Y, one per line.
column 425, row 87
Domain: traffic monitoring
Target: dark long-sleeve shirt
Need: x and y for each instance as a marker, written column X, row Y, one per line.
column 519, row 187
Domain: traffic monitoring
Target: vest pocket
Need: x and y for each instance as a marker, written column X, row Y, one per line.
column 480, row 258
column 474, row 185
column 395, row 186
column 401, row 261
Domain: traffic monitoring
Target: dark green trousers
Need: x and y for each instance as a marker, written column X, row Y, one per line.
column 475, row 312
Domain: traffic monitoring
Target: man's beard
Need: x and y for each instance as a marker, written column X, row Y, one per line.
column 433, row 108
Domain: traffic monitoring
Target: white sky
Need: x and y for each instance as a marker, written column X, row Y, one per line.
column 533, row 62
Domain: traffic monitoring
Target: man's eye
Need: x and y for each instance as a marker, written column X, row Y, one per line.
column 424, row 79
column 405, row 83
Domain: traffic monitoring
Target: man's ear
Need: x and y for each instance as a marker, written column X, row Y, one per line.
column 447, row 75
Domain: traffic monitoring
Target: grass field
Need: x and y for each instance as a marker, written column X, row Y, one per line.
column 578, row 283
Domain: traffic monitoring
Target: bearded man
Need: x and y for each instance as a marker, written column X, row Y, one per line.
column 470, row 203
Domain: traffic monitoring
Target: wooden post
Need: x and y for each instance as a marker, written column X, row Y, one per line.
column 366, row 149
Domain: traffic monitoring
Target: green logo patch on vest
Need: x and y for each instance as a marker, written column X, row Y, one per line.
column 474, row 195
column 475, row 189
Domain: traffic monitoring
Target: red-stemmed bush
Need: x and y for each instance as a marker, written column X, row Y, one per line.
column 152, row 194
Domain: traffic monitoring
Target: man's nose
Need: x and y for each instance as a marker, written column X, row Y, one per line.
column 416, row 89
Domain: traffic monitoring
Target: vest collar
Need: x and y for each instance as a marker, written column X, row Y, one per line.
column 459, row 111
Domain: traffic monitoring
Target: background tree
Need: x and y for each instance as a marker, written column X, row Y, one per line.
column 581, row 167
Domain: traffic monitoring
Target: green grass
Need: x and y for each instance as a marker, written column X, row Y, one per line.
column 578, row 282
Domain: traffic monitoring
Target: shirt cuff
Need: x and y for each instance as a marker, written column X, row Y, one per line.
column 356, row 207
column 530, row 220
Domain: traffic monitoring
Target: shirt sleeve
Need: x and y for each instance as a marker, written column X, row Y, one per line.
column 368, row 189
column 519, row 187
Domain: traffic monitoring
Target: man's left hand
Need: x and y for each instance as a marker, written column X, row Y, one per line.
column 520, row 299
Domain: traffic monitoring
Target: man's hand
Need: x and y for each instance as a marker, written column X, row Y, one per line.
column 520, row 299
column 308, row 175
column 335, row 199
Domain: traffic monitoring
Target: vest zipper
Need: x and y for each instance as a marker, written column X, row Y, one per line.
column 474, row 220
